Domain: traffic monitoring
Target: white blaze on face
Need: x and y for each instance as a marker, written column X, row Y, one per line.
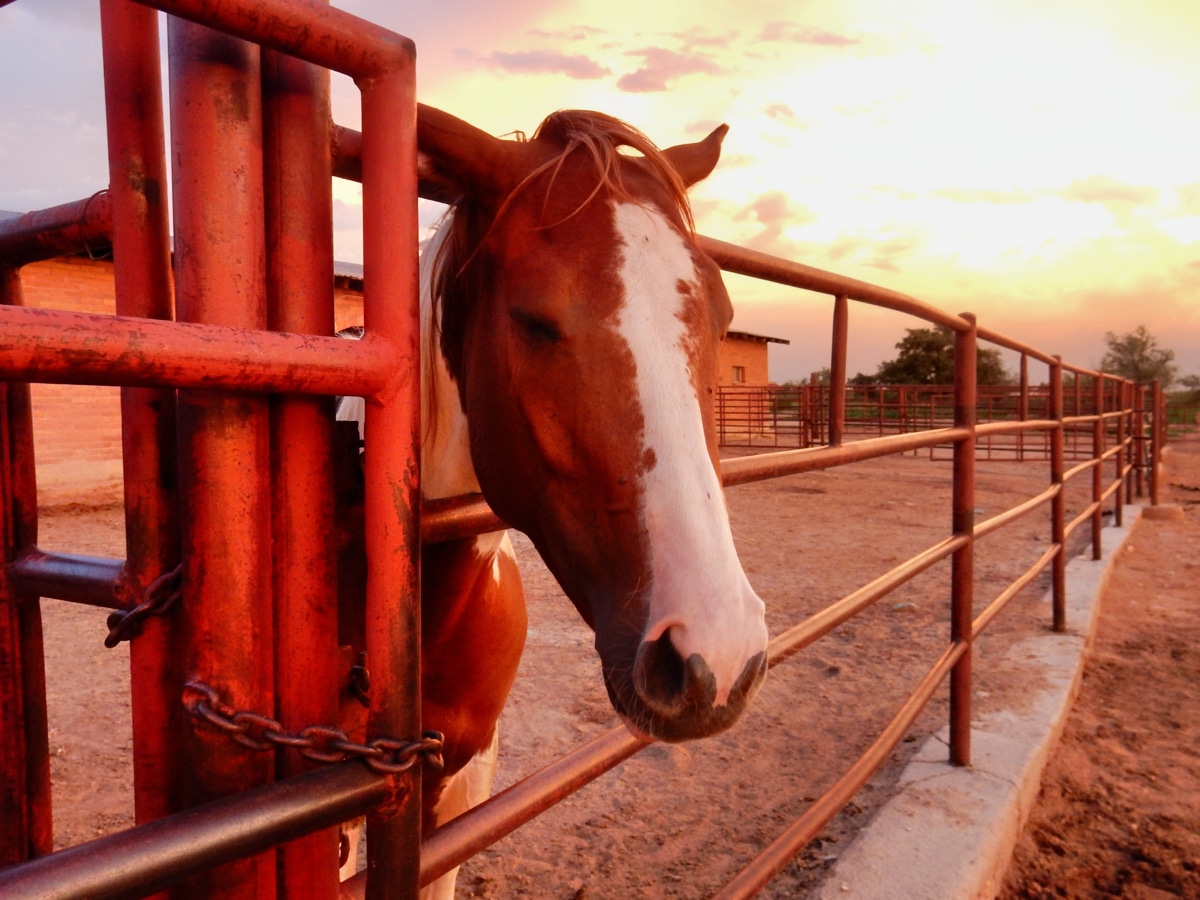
column 699, row 591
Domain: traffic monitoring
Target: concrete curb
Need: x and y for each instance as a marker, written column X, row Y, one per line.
column 949, row 833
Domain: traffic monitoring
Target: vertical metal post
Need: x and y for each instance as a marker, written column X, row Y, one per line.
column 1098, row 464
column 1119, row 394
column 142, row 275
column 1058, row 502
column 962, row 572
column 837, row 370
column 216, row 129
column 1023, row 404
column 26, row 826
column 1157, row 432
column 392, row 473
column 298, row 168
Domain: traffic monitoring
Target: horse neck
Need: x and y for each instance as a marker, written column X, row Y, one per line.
column 446, row 464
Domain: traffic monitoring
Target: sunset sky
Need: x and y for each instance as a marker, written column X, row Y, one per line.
column 1036, row 163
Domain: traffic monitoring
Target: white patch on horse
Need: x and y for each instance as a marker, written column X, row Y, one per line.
column 447, row 470
column 699, row 591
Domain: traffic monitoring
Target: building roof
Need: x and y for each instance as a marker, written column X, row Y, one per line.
column 760, row 338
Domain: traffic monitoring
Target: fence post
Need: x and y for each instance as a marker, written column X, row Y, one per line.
column 142, row 281
column 1157, row 433
column 1097, row 464
column 26, row 825
column 837, row 370
column 1058, row 501
column 1023, row 405
column 963, row 562
column 1119, row 457
column 223, row 438
column 298, row 167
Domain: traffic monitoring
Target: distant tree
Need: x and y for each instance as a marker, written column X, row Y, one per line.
column 1136, row 355
column 1190, row 382
column 927, row 357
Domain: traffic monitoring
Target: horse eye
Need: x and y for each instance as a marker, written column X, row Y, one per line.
column 536, row 327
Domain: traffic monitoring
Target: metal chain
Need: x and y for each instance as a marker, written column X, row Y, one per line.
column 163, row 593
column 319, row 743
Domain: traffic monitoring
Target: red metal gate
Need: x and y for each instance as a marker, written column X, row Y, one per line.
column 236, row 390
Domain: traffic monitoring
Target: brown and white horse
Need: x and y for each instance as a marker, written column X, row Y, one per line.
column 571, row 332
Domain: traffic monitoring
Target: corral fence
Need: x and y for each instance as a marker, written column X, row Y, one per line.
column 227, row 362
column 798, row 415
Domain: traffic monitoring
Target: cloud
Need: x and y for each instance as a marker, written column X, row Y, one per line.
column 874, row 253
column 965, row 195
column 701, row 37
column 663, row 66
column 1189, row 198
column 1108, row 192
column 541, row 62
column 573, row 33
column 776, row 213
column 781, row 112
column 794, row 33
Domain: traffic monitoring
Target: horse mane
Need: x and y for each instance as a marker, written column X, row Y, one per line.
column 457, row 281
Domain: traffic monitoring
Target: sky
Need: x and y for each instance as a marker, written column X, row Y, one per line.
column 1035, row 162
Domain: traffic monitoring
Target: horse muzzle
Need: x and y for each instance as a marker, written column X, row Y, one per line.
column 674, row 699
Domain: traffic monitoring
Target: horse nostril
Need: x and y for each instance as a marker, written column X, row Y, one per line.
column 667, row 683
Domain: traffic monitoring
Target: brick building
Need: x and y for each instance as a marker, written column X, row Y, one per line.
column 742, row 359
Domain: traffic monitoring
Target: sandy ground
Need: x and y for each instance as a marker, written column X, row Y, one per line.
column 674, row 820
column 1119, row 810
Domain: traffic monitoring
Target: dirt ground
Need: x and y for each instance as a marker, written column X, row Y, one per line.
column 1119, row 810
column 680, row 821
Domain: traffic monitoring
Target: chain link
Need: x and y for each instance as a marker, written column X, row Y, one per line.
column 160, row 597
column 319, row 743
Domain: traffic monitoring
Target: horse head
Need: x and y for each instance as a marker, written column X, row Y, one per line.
column 580, row 324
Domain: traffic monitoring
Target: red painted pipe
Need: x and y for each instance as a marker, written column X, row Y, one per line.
column 226, row 623
column 142, row 279
column 299, row 214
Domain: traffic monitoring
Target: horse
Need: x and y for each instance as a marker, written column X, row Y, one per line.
column 570, row 327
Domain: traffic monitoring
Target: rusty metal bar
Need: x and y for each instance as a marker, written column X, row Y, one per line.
column 1098, row 468
column 26, row 828
column 790, row 462
column 962, row 574
column 995, row 337
column 771, row 861
column 1002, row 599
column 1010, row 515
column 158, row 854
column 1158, row 431
column 299, row 224
column 91, row 580
column 392, row 468
column 837, row 370
column 986, row 429
column 83, row 348
column 58, row 231
column 1082, row 467
column 478, row 828
column 143, row 287
column 1085, row 516
column 306, row 29
column 796, row 638
column 216, row 129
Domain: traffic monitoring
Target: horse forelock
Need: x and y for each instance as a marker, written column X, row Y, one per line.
column 458, row 279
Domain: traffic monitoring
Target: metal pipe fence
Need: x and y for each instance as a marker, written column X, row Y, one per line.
column 226, row 360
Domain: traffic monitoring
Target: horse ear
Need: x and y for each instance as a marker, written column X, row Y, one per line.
column 694, row 162
column 454, row 158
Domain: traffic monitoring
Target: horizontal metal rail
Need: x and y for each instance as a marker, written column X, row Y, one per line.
column 998, row 521
column 55, row 346
column 791, row 462
column 1019, row 584
column 771, row 861
column 150, row 857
